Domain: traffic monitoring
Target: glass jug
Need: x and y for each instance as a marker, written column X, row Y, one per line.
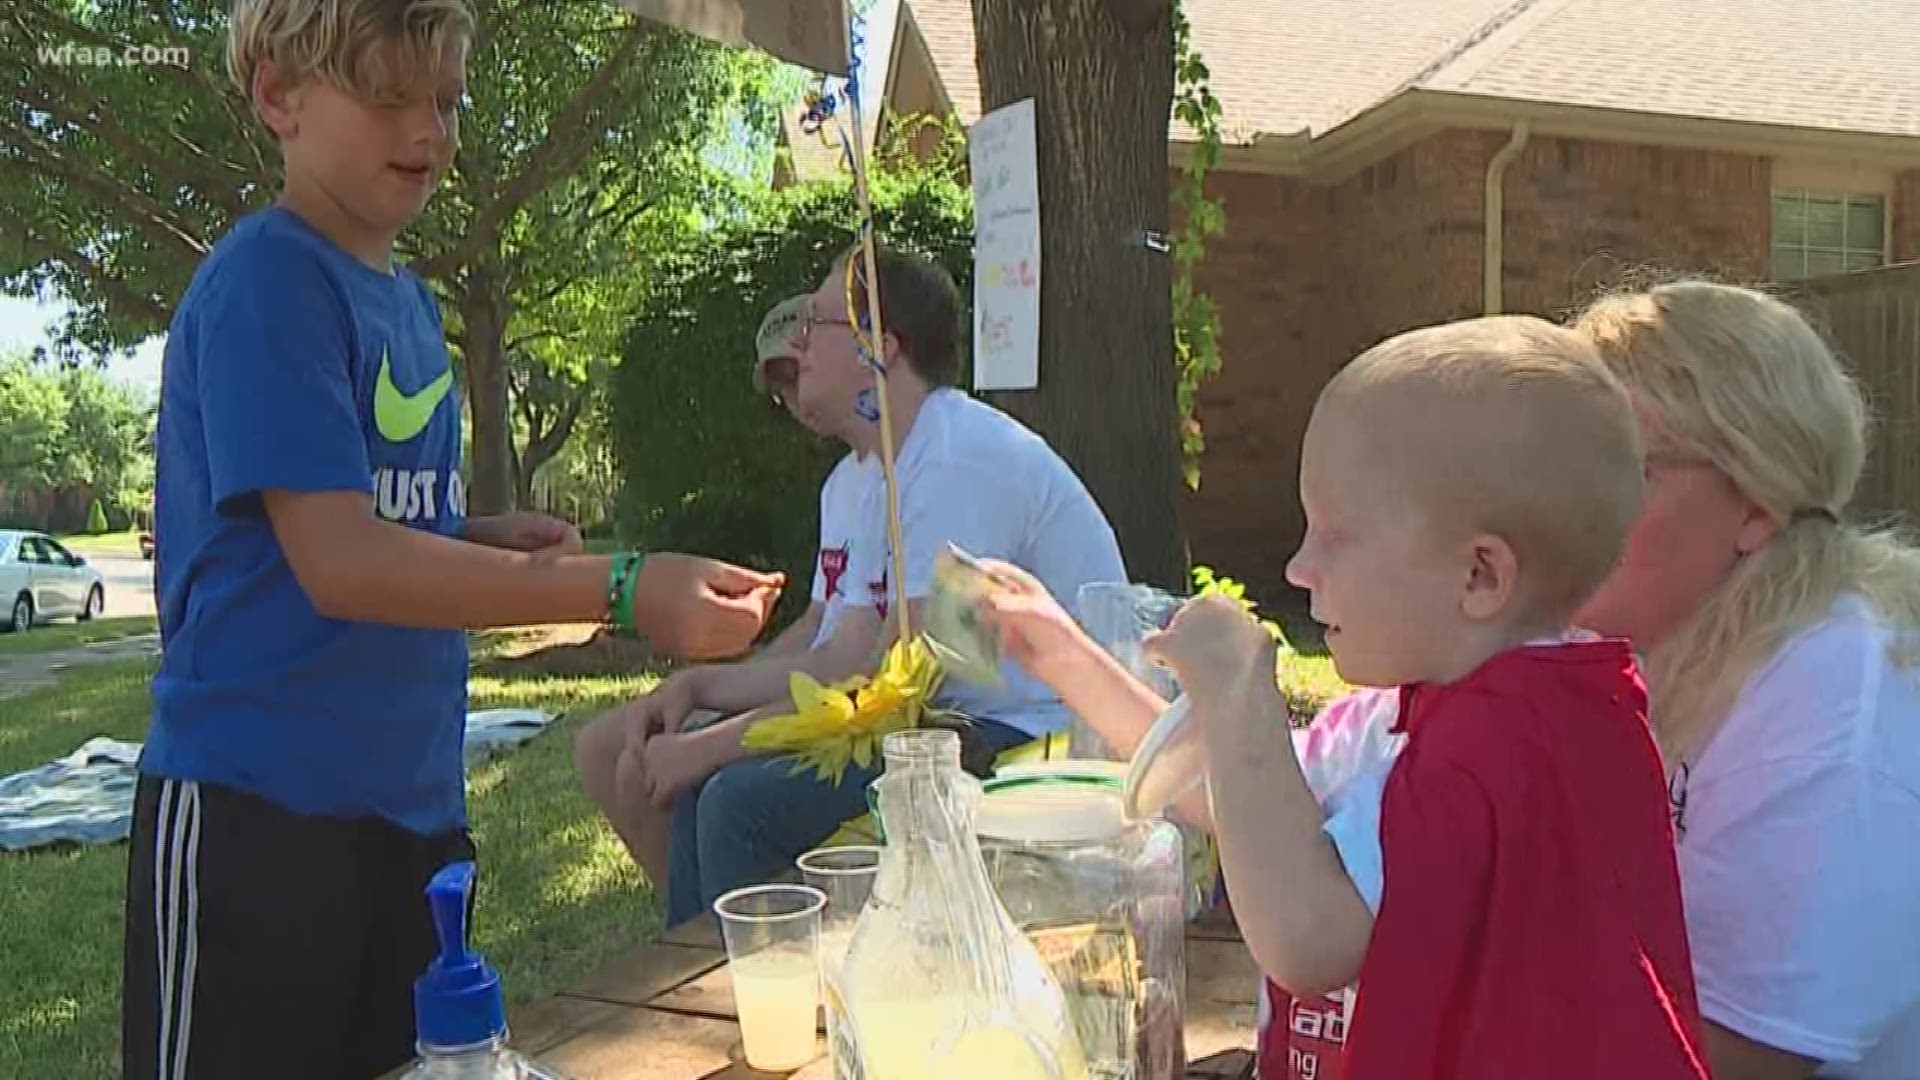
column 939, row 984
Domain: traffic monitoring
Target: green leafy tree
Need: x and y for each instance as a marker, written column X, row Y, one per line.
column 33, row 424
column 75, row 428
column 582, row 481
column 108, row 441
column 583, row 143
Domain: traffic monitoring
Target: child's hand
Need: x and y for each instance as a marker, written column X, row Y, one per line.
column 1213, row 646
column 662, row 710
column 698, row 608
column 674, row 763
column 1035, row 631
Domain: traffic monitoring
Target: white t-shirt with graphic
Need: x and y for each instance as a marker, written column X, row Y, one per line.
column 1799, row 844
column 971, row 475
column 843, row 536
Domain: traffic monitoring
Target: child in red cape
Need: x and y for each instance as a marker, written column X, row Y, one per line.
column 1466, row 487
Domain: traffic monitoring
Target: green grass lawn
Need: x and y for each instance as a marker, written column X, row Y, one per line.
column 115, row 543
column 558, row 895
column 1308, row 681
column 72, row 635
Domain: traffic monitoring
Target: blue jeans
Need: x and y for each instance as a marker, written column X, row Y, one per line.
column 747, row 823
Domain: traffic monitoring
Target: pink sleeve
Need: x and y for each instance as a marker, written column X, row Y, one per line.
column 1351, row 734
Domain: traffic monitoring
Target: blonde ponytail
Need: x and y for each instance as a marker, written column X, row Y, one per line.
column 1741, row 380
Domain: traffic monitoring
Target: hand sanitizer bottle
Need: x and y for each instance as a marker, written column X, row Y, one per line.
column 459, row 1015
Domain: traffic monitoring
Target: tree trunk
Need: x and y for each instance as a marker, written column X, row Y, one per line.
column 483, row 322
column 548, row 430
column 1101, row 76
column 522, row 478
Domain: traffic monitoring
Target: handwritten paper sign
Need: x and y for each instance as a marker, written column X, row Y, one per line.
column 1006, row 250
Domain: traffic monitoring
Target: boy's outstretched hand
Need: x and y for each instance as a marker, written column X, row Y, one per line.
column 1213, row 645
column 701, row 609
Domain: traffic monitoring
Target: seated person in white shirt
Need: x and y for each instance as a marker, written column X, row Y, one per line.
column 697, row 810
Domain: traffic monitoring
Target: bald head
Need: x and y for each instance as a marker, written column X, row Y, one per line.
column 1506, row 425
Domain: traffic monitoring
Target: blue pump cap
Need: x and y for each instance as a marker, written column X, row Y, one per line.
column 457, row 1001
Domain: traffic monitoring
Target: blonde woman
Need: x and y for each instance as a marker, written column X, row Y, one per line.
column 1780, row 643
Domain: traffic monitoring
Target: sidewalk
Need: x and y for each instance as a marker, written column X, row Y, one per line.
column 25, row 672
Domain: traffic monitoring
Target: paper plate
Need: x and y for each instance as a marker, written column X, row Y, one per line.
column 1168, row 764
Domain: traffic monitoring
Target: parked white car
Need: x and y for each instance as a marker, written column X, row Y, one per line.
column 41, row 580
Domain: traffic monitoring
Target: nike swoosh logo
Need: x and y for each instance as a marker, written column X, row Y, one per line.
column 402, row 417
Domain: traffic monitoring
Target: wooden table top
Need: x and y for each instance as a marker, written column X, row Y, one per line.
column 665, row 1012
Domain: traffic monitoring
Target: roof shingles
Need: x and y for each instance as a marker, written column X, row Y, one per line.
column 1846, row 65
column 1283, row 66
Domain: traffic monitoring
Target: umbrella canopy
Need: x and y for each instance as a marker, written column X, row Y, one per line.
column 811, row 33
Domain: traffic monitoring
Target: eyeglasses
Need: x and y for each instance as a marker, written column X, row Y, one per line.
column 803, row 335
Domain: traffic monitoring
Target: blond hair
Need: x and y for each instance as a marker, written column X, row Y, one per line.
column 1741, row 380
column 1512, row 426
column 373, row 49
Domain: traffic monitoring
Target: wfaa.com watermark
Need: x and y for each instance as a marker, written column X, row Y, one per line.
column 72, row 54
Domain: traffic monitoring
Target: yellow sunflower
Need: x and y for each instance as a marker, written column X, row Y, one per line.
column 834, row 726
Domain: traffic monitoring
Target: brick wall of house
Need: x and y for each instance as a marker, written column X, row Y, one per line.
column 1581, row 216
column 1906, row 217
column 1267, row 274
column 1307, row 276
column 1410, row 247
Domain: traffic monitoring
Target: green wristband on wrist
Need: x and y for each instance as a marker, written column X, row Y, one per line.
column 622, row 576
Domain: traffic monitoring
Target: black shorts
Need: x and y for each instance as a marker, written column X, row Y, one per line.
column 260, row 942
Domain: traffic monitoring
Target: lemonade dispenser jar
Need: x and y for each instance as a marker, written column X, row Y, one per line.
column 1102, row 898
column 939, row 984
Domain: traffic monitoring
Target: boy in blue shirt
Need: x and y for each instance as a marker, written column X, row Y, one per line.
column 316, row 568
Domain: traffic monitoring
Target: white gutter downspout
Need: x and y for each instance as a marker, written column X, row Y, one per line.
column 1493, row 260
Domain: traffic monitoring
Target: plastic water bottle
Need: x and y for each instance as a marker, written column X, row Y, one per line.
column 459, row 1014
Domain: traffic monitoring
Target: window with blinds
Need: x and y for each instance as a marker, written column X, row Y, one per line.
column 1816, row 233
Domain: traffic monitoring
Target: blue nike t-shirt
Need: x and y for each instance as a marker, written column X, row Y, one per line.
column 291, row 365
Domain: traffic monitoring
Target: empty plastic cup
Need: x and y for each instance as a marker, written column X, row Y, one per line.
column 846, row 875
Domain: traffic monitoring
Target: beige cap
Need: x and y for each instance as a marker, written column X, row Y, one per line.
column 776, row 331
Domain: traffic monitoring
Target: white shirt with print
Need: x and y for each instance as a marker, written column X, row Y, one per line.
column 839, row 577
column 971, row 475
column 1799, row 845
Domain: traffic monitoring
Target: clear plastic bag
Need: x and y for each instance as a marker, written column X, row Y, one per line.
column 1119, row 615
column 939, row 984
